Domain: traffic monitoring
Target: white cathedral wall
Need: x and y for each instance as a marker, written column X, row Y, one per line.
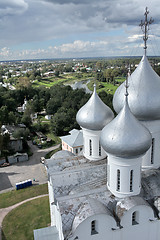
column 56, row 219
column 94, row 136
column 146, row 229
column 107, row 229
column 154, row 128
column 104, row 225
column 125, row 166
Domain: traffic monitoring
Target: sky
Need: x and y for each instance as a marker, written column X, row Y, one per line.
column 42, row 29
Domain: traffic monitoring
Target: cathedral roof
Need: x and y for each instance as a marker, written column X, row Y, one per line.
column 128, row 203
column 125, row 136
column 89, row 192
column 89, row 207
column 94, row 115
column 144, row 89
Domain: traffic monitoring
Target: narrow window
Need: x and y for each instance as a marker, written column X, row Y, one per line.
column 134, row 218
column 152, row 150
column 90, row 147
column 118, row 180
column 80, row 149
column 93, row 227
column 131, row 181
column 99, row 149
column 108, row 174
column 76, row 150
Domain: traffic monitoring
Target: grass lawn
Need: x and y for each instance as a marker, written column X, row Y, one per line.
column 103, row 86
column 120, row 79
column 55, row 138
column 21, row 221
column 10, row 198
column 108, row 87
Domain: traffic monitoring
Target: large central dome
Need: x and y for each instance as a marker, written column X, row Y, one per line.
column 144, row 93
column 125, row 136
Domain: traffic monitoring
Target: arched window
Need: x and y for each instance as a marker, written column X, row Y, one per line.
column 90, row 147
column 100, row 151
column 93, row 227
column 118, row 180
column 108, row 174
column 135, row 218
column 131, row 181
column 152, row 150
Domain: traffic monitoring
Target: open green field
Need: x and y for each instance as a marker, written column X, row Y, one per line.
column 21, row 221
column 103, row 86
column 48, row 82
column 69, row 78
column 15, row 196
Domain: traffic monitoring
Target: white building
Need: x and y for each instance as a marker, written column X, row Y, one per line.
column 118, row 197
column 73, row 142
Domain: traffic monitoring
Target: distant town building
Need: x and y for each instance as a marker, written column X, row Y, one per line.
column 23, row 107
column 18, row 157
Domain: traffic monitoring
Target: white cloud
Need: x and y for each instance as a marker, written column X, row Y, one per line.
column 73, row 27
column 12, row 7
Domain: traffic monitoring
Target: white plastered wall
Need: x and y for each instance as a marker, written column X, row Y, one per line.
column 154, row 128
column 94, row 136
column 125, row 166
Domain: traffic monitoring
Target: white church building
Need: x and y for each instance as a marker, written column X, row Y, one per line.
column 112, row 191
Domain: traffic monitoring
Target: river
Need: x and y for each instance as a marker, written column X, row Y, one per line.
column 81, row 84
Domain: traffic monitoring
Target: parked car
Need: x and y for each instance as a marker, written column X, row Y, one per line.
column 5, row 165
column 42, row 160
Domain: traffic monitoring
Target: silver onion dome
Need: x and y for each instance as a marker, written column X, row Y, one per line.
column 125, row 136
column 94, row 115
column 144, row 93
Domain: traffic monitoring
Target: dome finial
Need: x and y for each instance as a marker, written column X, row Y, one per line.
column 126, row 84
column 145, row 28
column 94, row 85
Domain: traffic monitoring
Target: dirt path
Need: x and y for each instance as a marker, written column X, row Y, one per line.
column 5, row 211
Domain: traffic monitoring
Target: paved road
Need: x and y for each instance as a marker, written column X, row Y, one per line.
column 5, row 211
column 21, row 171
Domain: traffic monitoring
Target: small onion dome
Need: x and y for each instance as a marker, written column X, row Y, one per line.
column 144, row 93
column 125, row 136
column 94, row 115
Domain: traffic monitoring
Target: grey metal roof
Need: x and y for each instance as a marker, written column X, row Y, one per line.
column 151, row 183
column 80, row 206
column 62, row 154
column 94, row 115
column 88, row 208
column 75, row 139
column 126, row 204
column 144, row 93
column 48, row 233
column 125, row 136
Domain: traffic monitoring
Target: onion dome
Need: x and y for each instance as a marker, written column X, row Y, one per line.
column 94, row 115
column 144, row 93
column 125, row 136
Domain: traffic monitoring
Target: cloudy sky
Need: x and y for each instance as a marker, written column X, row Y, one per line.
column 36, row 29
